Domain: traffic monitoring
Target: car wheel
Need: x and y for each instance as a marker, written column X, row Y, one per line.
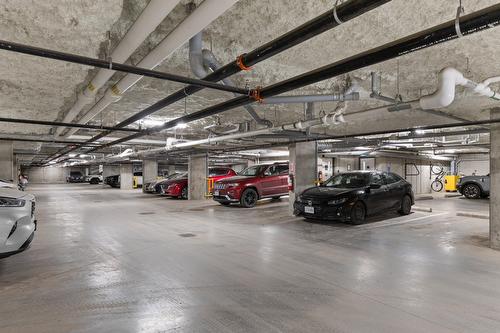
column 225, row 203
column 94, row 181
column 405, row 206
column 249, row 198
column 472, row 191
column 184, row 193
column 358, row 213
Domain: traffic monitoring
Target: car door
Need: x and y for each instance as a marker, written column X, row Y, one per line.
column 376, row 199
column 396, row 189
column 271, row 181
column 283, row 176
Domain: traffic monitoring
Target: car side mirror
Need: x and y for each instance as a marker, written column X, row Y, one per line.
column 375, row 186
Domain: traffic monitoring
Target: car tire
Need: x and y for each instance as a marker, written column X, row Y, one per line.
column 184, row 193
column 358, row 213
column 405, row 208
column 472, row 191
column 94, row 181
column 249, row 198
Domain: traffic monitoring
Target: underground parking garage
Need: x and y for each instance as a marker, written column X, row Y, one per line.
column 250, row 166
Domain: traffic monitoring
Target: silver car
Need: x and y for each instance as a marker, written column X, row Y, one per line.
column 17, row 221
column 474, row 187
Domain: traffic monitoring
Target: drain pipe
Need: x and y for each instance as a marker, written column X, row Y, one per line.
column 201, row 17
column 201, row 59
column 449, row 78
column 146, row 23
column 353, row 96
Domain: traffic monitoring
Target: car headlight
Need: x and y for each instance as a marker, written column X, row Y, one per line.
column 299, row 198
column 337, row 201
column 232, row 184
column 11, row 202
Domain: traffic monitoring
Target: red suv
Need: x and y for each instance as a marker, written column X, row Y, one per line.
column 178, row 187
column 252, row 184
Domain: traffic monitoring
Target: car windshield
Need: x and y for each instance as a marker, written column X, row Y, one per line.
column 251, row 171
column 348, row 180
column 179, row 176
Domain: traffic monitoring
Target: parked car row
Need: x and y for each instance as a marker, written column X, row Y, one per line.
column 350, row 196
column 176, row 185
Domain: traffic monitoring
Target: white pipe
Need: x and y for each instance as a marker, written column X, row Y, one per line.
column 199, row 19
column 146, row 23
column 449, row 78
column 491, row 80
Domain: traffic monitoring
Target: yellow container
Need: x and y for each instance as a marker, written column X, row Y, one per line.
column 450, row 183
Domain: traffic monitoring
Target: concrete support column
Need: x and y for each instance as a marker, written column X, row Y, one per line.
column 7, row 171
column 197, row 177
column 149, row 171
column 126, row 176
column 109, row 170
column 495, row 181
column 303, row 166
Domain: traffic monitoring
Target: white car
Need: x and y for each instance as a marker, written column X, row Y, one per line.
column 17, row 221
column 93, row 179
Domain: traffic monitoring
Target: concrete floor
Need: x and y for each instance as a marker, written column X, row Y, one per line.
column 106, row 260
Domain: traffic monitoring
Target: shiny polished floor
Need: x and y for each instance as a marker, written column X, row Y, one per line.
column 106, row 260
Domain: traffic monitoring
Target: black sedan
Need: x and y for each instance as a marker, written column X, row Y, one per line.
column 353, row 196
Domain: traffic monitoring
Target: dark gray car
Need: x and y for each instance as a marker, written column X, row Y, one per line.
column 474, row 187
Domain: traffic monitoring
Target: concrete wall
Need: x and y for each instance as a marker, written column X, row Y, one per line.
column 48, row 175
column 470, row 164
column 343, row 164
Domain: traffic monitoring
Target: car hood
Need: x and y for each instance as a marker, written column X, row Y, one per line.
column 13, row 193
column 173, row 181
column 236, row 179
column 327, row 192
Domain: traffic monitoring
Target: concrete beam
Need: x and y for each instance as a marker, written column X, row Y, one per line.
column 303, row 168
column 7, row 171
column 197, row 176
column 495, row 181
column 126, row 176
column 149, row 171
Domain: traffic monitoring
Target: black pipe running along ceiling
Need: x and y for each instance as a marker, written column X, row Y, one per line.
column 469, row 24
column 82, row 60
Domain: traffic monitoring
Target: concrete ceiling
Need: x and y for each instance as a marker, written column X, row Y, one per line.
column 37, row 88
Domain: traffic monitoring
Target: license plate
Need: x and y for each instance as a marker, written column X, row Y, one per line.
column 216, row 193
column 309, row 209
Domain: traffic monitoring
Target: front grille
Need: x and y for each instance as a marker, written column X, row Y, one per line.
column 32, row 208
column 311, row 201
column 219, row 186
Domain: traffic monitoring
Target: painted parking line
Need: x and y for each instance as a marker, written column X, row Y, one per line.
column 475, row 215
column 390, row 224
